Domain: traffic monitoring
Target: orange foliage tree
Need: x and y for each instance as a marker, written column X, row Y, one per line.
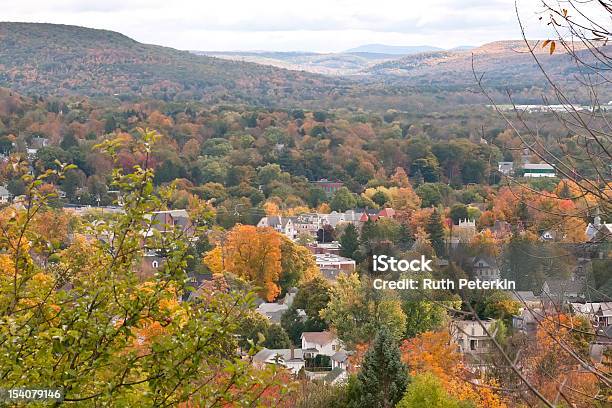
column 252, row 253
column 435, row 353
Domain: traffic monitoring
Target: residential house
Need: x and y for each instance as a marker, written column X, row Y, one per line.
column 273, row 311
column 538, row 170
column 598, row 231
column 470, row 335
column 169, row 220
column 150, row 263
column 599, row 313
column 387, row 213
column 527, row 321
column 485, row 268
column 505, row 168
column 560, row 291
column 281, row 224
column 324, row 343
column 340, row 360
column 307, row 224
column 527, row 299
column 292, row 359
column 5, row 195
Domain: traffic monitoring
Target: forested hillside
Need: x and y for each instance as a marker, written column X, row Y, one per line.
column 69, row 60
column 505, row 64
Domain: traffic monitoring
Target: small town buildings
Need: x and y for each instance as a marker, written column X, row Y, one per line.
column 308, row 223
column 505, row 168
column 5, row 195
column 485, row 268
column 324, row 248
column 332, row 265
column 470, row 335
column 599, row 313
column 324, row 343
column 340, row 360
column 526, row 299
column 169, row 220
column 538, row 170
column 330, row 187
column 560, row 291
column 598, row 231
column 527, row 321
column 281, row 224
column 292, row 359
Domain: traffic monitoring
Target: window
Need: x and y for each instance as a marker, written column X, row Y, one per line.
column 155, row 264
column 473, row 344
column 333, row 347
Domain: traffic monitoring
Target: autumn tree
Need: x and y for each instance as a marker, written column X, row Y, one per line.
column 109, row 337
column 356, row 311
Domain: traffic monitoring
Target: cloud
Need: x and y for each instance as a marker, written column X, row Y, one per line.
column 318, row 25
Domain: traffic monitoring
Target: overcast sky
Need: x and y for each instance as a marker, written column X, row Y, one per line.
column 286, row 25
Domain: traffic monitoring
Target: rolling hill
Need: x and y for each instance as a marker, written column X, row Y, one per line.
column 393, row 49
column 70, row 60
column 335, row 64
column 504, row 63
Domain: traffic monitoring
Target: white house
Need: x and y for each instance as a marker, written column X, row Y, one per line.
column 325, row 343
column 5, row 196
column 281, row 224
column 485, row 268
column 598, row 231
column 293, row 359
column 470, row 335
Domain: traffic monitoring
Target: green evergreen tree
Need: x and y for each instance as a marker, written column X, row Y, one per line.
column 406, row 239
column 436, row 232
column 349, row 241
column 383, row 377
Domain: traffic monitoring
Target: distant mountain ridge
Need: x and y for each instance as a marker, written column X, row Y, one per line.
column 71, row 60
column 393, row 49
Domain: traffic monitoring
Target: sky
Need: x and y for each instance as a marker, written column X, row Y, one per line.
column 285, row 25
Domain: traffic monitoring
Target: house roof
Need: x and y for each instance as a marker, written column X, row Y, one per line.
column 271, row 307
column 537, row 166
column 563, row 286
column 524, row 295
column 488, row 260
column 387, row 212
column 340, row 356
column 322, row 338
column 333, row 375
column 275, row 220
column 600, row 308
column 601, row 230
column 265, row 355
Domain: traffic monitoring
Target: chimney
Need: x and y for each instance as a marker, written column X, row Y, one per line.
column 292, row 352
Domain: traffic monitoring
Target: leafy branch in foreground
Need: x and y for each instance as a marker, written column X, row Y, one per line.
column 85, row 321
